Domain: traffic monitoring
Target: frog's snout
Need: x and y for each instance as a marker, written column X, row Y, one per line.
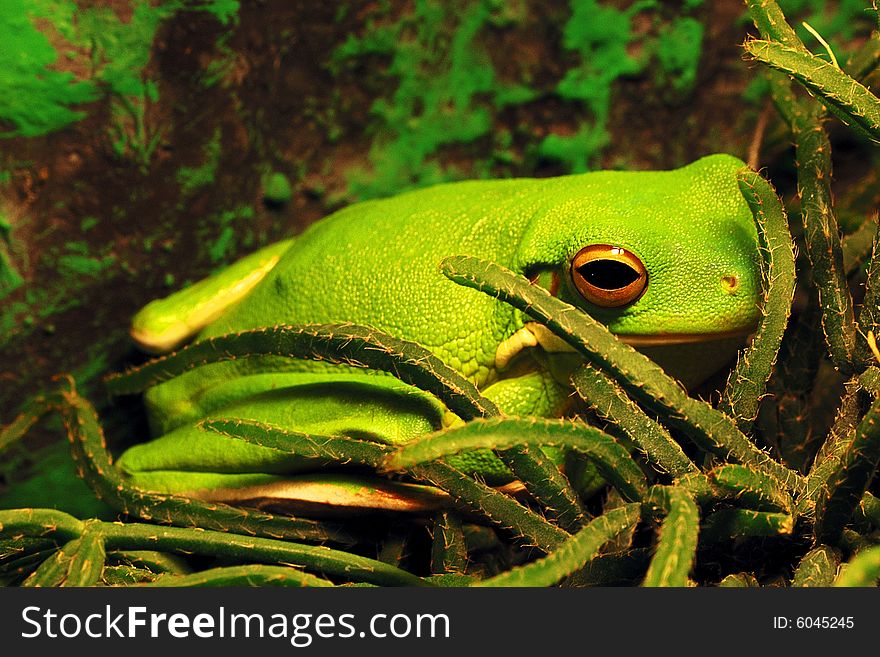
column 730, row 284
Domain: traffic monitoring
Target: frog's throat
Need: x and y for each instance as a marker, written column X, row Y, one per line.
column 681, row 338
column 538, row 335
column 328, row 495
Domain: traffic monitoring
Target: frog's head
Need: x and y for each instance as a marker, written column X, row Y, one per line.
column 662, row 258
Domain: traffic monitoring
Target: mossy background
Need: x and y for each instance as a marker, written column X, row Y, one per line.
column 139, row 141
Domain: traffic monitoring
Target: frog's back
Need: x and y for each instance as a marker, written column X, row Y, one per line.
column 376, row 263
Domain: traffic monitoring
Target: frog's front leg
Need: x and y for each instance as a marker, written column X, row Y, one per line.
column 544, row 392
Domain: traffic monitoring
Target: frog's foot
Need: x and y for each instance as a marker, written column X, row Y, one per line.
column 530, row 335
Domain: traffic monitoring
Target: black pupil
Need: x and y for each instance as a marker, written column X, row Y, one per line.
column 608, row 274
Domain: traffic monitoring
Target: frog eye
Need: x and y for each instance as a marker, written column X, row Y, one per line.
column 608, row 276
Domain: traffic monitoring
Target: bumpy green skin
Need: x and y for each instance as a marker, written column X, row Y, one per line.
column 376, row 264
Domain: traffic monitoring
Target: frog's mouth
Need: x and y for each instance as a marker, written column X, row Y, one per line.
column 682, row 338
column 538, row 335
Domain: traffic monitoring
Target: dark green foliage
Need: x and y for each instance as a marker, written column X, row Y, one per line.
column 572, row 555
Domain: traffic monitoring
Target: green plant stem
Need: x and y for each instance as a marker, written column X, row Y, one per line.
column 754, row 489
column 869, row 316
column 793, row 382
column 739, row 581
column 870, row 507
column 30, row 414
column 234, row 547
column 614, row 462
column 858, row 245
column 50, row 523
column 845, row 422
column 18, row 546
column 362, row 347
column 846, row 98
column 91, row 456
column 334, row 449
column 818, row 567
column 499, row 509
column 821, row 232
column 748, row 380
column 346, row 344
column 573, row 554
column 848, row 481
column 677, row 545
column 249, row 575
column 613, row 569
column 448, row 549
column 78, row 563
column 157, row 562
column 771, row 23
column 543, row 480
column 728, row 524
column 609, row 402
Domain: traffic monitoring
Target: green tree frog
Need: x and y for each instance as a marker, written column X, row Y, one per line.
column 667, row 260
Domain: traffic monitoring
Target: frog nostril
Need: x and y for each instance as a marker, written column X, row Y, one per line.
column 730, row 284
